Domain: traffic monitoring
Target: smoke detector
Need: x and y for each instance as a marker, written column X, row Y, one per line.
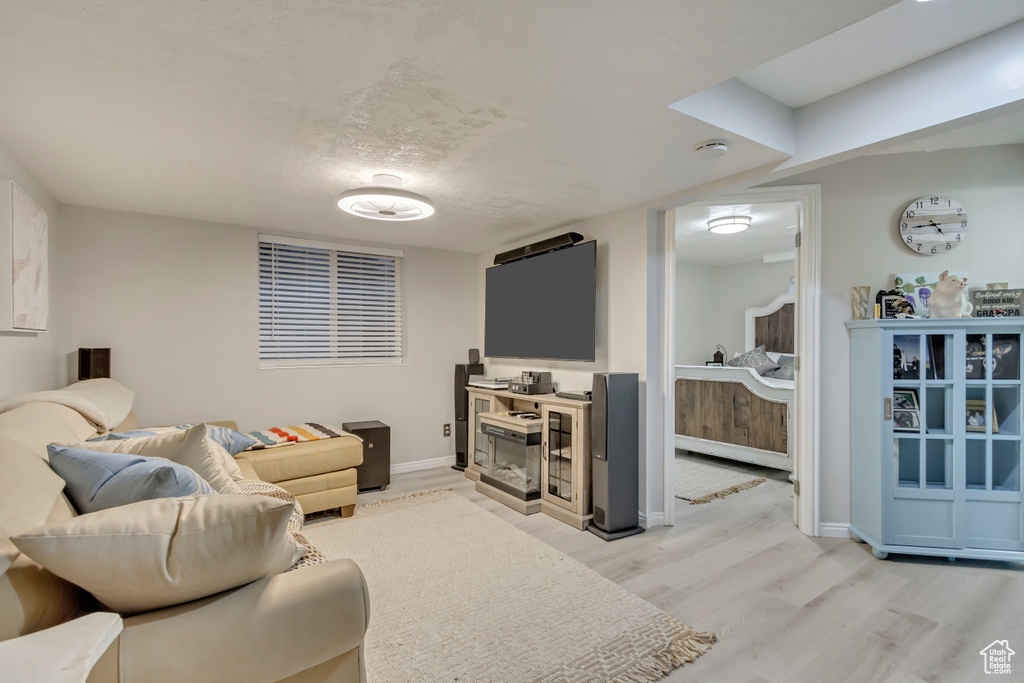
column 385, row 200
column 710, row 149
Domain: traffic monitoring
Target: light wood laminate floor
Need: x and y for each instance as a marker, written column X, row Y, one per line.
column 787, row 607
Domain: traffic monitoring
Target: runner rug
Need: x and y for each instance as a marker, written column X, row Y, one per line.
column 700, row 483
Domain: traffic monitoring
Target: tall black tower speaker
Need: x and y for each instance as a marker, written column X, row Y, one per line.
column 462, row 373
column 615, row 439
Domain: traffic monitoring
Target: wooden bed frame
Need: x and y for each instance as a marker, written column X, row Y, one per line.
column 732, row 412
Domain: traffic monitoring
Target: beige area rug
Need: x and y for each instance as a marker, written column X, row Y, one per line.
column 458, row 594
column 700, row 483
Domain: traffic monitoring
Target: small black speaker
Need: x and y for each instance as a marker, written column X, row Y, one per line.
column 462, row 375
column 93, row 363
column 474, row 356
column 615, row 442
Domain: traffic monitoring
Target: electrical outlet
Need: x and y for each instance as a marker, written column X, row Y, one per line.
column 447, row 430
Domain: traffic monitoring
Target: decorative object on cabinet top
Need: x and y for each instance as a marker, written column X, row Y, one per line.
column 997, row 303
column 919, row 287
column 949, row 298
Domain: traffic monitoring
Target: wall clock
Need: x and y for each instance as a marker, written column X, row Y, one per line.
column 933, row 225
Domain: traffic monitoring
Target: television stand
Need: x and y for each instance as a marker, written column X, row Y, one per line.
column 564, row 439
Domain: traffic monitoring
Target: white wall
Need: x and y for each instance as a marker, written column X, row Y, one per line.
column 621, row 317
column 694, row 293
column 28, row 360
column 711, row 303
column 176, row 300
column 861, row 202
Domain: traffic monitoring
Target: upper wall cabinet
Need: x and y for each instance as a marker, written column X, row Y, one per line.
column 24, row 272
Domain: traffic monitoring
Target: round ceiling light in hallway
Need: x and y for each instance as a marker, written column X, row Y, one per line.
column 727, row 225
column 385, row 200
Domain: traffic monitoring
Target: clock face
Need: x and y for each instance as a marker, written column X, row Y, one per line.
column 933, row 225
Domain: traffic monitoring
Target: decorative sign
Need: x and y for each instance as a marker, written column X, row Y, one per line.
column 997, row 303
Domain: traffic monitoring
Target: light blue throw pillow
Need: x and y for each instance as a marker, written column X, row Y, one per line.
column 97, row 481
column 232, row 441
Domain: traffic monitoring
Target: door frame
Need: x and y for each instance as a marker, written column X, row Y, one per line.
column 806, row 451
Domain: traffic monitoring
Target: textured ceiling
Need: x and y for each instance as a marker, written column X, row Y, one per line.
column 514, row 117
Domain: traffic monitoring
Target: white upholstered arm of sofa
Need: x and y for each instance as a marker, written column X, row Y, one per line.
column 268, row 630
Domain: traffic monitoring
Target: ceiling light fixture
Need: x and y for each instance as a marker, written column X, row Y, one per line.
column 385, row 200
column 726, row 225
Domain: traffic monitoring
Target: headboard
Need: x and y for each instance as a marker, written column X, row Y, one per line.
column 773, row 325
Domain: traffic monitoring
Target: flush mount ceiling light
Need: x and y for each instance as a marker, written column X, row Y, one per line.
column 726, row 225
column 385, row 200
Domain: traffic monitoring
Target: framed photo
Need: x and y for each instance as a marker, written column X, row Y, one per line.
column 975, row 368
column 936, row 356
column 892, row 305
column 906, row 357
column 977, row 416
column 906, row 421
column 713, row 364
column 905, row 399
column 1005, row 356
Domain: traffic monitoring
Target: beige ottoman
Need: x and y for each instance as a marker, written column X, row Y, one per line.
column 320, row 474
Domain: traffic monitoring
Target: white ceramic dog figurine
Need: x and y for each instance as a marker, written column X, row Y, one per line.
column 948, row 299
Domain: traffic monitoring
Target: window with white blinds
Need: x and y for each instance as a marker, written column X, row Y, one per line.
column 328, row 304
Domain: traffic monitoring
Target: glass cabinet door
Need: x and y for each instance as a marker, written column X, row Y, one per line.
column 922, row 416
column 481, row 441
column 955, row 415
column 559, row 452
column 991, row 415
column 992, row 412
column 922, row 411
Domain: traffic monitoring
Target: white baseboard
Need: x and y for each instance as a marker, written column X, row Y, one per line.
column 399, row 468
column 655, row 519
column 833, row 530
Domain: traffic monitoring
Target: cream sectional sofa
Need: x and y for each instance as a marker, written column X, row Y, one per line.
column 303, row 625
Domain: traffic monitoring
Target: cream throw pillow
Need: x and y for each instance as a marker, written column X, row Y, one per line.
column 190, row 447
column 227, row 461
column 162, row 552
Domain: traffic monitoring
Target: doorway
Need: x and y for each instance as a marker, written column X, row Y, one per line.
column 802, row 204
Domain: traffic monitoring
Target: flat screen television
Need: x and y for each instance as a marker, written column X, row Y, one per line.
column 543, row 307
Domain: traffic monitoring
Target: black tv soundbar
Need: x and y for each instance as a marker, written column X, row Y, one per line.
column 537, row 248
